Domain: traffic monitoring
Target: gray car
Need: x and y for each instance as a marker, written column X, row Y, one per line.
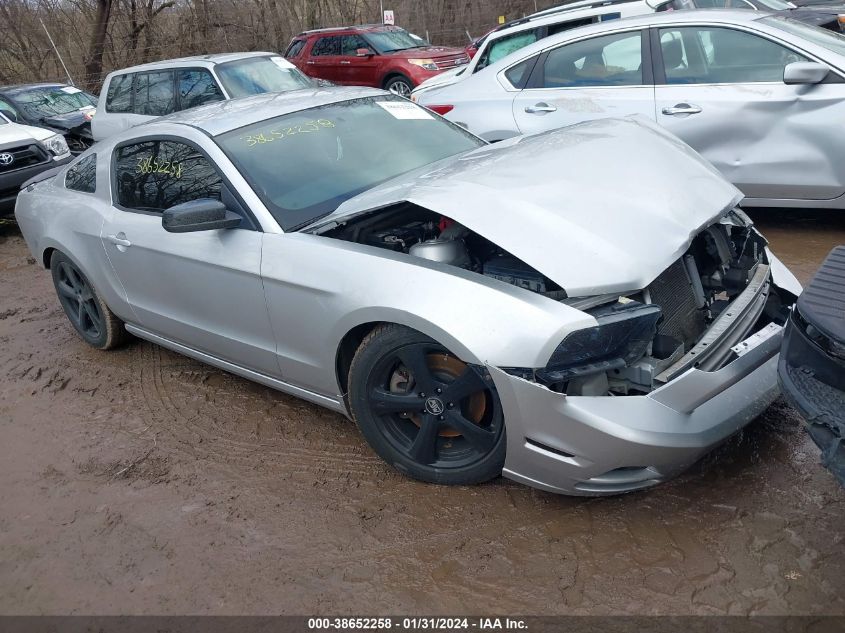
column 758, row 95
column 551, row 307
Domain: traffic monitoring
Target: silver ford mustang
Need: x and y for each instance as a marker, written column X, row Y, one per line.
column 585, row 311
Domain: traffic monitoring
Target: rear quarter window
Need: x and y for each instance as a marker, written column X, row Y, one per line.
column 518, row 75
column 83, row 175
column 295, row 48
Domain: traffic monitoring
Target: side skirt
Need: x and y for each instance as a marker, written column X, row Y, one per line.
column 324, row 401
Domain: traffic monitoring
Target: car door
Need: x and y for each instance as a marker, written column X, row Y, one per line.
column 596, row 77
column 721, row 90
column 354, row 70
column 200, row 289
column 324, row 62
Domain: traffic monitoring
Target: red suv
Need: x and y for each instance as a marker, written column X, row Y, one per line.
column 374, row 55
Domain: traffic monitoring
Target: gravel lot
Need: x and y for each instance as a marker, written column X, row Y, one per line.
column 139, row 481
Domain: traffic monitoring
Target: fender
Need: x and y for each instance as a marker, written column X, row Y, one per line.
column 345, row 285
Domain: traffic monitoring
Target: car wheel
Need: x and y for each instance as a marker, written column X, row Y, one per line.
column 399, row 85
column 87, row 312
column 425, row 411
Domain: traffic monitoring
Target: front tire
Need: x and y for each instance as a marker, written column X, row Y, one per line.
column 400, row 85
column 87, row 312
column 423, row 410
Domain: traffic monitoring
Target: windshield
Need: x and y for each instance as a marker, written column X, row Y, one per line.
column 392, row 40
column 257, row 75
column 47, row 101
column 304, row 165
column 833, row 42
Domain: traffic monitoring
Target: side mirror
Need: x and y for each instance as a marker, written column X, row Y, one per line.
column 12, row 116
column 363, row 52
column 199, row 215
column 805, row 73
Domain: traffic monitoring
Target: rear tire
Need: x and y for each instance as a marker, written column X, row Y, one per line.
column 87, row 312
column 424, row 411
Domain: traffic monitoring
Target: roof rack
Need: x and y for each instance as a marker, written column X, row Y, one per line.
column 562, row 8
column 330, row 29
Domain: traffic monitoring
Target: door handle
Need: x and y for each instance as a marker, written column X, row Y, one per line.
column 540, row 108
column 309, row 62
column 343, row 61
column 119, row 240
column 682, row 108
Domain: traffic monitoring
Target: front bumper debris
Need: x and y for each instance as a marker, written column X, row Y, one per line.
column 601, row 445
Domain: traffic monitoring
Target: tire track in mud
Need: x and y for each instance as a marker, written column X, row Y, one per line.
column 238, row 423
column 207, row 428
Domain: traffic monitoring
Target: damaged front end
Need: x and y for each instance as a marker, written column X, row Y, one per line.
column 697, row 314
column 666, row 374
column 75, row 127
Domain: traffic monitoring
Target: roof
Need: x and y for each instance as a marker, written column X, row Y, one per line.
column 357, row 28
column 581, row 4
column 564, row 9
column 220, row 117
column 216, row 58
column 726, row 16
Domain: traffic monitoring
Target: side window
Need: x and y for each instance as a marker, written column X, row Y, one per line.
column 326, row 46
column 295, row 48
column 609, row 60
column 720, row 55
column 119, row 95
column 83, row 176
column 156, row 175
column 518, row 75
column 154, row 93
column 504, row 46
column 197, row 86
column 349, row 44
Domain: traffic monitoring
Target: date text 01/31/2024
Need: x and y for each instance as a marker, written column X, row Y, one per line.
column 417, row 623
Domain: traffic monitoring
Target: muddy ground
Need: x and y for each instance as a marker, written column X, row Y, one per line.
column 139, row 481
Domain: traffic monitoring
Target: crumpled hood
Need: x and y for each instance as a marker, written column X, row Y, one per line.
column 602, row 206
column 75, row 121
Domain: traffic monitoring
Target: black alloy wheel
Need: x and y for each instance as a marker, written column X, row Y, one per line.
column 86, row 311
column 424, row 410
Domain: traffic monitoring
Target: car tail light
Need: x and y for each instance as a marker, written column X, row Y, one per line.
column 442, row 110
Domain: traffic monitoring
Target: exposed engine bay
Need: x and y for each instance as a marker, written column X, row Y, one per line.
column 410, row 229
column 696, row 314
